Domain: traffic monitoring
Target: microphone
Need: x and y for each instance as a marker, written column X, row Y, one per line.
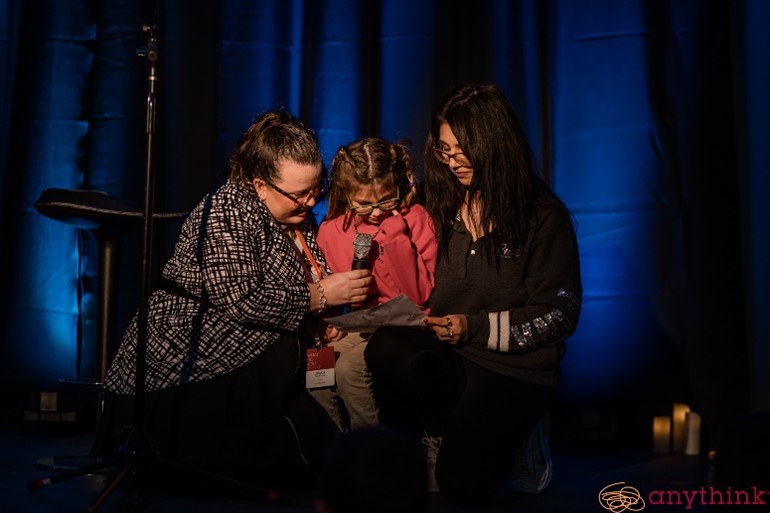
column 361, row 247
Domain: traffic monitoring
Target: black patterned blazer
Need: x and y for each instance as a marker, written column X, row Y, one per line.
column 232, row 286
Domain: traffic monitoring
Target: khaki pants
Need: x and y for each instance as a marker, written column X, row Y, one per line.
column 353, row 391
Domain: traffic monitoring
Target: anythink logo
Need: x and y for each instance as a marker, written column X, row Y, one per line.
column 619, row 497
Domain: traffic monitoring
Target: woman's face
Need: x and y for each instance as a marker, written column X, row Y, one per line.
column 447, row 143
column 290, row 196
column 372, row 204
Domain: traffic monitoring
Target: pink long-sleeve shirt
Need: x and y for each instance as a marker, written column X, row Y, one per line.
column 402, row 258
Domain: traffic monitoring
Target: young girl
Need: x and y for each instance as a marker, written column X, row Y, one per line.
column 374, row 192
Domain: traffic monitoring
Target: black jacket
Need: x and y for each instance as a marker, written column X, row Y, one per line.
column 521, row 303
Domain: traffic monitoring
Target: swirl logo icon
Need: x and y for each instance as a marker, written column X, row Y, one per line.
column 617, row 498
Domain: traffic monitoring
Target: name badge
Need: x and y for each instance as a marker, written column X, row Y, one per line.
column 320, row 367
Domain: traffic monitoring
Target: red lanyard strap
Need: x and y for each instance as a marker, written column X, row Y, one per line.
column 309, row 255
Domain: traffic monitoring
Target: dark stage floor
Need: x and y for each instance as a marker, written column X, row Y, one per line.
column 578, row 479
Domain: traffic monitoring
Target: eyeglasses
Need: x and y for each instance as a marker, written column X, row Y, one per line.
column 444, row 157
column 303, row 200
column 384, row 205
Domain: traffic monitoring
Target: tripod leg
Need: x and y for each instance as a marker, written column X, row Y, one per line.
column 266, row 493
column 37, row 484
column 106, row 492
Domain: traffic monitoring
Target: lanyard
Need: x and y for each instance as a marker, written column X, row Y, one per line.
column 313, row 276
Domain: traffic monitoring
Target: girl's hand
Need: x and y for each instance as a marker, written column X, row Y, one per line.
column 451, row 329
column 394, row 225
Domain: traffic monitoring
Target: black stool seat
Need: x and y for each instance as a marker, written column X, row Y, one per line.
column 94, row 210
column 108, row 220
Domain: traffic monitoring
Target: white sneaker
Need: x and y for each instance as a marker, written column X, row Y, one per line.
column 533, row 466
column 432, row 445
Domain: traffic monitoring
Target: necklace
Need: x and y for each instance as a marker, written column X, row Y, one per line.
column 355, row 229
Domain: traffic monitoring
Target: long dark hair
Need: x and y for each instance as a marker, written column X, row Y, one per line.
column 505, row 178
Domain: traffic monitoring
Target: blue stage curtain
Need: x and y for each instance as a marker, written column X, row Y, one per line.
column 46, row 141
column 752, row 17
column 647, row 117
column 644, row 155
column 68, row 121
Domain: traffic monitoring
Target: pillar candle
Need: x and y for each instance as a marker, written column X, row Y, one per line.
column 661, row 434
column 679, row 429
column 692, row 447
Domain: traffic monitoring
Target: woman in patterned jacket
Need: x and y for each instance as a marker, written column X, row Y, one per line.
column 227, row 331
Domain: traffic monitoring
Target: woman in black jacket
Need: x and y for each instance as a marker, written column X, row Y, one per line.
column 478, row 382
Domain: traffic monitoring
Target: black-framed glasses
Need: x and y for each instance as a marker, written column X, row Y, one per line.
column 384, row 205
column 444, row 157
column 303, row 200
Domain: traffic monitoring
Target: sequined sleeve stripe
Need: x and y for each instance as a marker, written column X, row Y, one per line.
column 573, row 303
column 523, row 337
column 537, row 332
column 528, row 335
column 551, row 326
column 499, row 331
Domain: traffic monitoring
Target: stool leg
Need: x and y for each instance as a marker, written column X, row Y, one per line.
column 109, row 248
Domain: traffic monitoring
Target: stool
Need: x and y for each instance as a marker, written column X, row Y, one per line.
column 100, row 214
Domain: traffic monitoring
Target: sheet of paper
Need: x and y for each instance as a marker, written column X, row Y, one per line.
column 399, row 311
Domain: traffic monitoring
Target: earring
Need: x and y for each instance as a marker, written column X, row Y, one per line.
column 260, row 195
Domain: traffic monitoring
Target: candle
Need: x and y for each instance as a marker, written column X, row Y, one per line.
column 661, row 434
column 679, row 429
column 692, row 447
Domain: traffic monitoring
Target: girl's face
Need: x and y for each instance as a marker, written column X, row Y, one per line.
column 449, row 153
column 374, row 203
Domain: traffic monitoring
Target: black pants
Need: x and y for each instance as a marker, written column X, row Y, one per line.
column 256, row 424
column 421, row 385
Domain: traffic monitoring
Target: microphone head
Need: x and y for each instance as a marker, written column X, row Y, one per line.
column 362, row 244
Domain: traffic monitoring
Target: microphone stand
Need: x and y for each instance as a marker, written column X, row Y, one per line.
column 137, row 448
column 138, row 443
